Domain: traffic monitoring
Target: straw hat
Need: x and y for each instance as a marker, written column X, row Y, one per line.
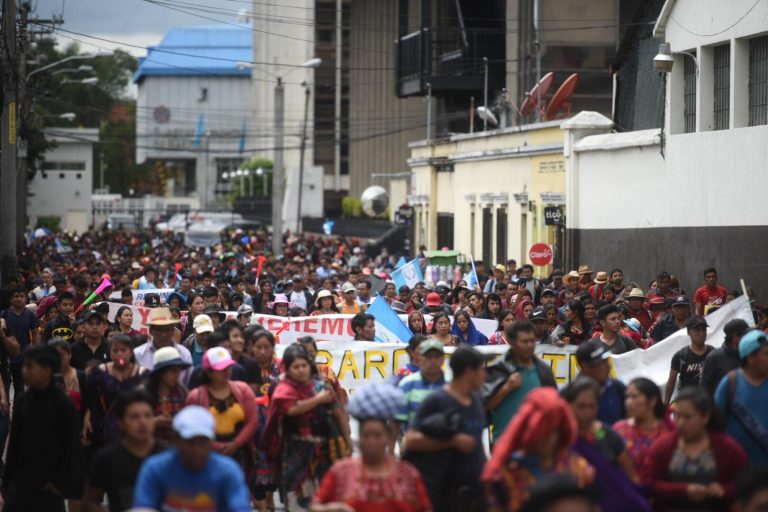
column 636, row 293
column 584, row 269
column 321, row 295
column 601, row 278
column 161, row 316
column 572, row 275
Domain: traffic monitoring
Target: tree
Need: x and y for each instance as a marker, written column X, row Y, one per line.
column 59, row 90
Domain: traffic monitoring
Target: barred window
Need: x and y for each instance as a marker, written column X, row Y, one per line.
column 689, row 94
column 758, row 81
column 722, row 87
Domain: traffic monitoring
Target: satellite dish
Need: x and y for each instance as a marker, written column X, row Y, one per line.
column 561, row 97
column 539, row 90
column 486, row 115
column 374, row 200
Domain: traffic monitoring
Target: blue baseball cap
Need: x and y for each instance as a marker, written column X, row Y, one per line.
column 194, row 421
column 753, row 341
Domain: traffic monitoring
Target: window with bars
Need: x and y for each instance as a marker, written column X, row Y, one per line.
column 445, row 230
column 722, row 86
column 689, row 94
column 487, row 235
column 758, row 81
column 501, row 235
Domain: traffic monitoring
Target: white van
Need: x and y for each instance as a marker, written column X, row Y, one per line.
column 122, row 221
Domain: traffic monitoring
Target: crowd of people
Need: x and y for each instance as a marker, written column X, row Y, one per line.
column 201, row 414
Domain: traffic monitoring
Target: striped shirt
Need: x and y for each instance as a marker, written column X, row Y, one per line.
column 416, row 389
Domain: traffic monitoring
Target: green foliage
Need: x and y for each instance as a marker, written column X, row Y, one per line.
column 251, row 183
column 50, row 96
column 351, row 207
column 53, row 223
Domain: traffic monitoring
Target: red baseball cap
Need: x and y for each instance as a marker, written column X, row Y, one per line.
column 433, row 299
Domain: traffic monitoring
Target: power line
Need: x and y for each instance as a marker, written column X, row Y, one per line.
column 726, row 29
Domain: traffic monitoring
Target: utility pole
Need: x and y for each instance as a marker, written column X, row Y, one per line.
column 277, row 175
column 8, row 132
column 337, row 100
column 24, row 110
column 301, row 157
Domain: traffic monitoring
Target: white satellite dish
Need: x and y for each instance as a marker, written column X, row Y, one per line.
column 486, row 115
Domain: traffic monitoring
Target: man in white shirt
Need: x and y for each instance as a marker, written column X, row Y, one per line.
column 299, row 296
column 161, row 325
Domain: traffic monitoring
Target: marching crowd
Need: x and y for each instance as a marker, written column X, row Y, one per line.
column 202, row 415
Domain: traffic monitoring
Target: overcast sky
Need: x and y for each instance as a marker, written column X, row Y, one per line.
column 131, row 21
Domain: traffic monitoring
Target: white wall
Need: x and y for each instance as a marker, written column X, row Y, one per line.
column 706, row 179
column 698, row 26
column 279, row 48
column 226, row 106
column 65, row 193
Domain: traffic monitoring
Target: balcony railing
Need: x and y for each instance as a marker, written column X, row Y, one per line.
column 449, row 60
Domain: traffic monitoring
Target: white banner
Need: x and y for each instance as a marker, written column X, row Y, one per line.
column 655, row 362
column 357, row 362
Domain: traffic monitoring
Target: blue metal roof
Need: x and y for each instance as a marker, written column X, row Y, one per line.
column 195, row 51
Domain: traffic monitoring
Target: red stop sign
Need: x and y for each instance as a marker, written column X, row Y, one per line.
column 540, row 254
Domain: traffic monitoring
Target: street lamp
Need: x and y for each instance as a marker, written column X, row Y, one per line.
column 84, row 56
column 84, row 67
column 277, row 169
column 85, row 81
column 664, row 60
column 301, row 153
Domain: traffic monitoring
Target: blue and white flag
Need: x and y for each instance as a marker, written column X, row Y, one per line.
column 402, row 261
column 199, row 131
column 243, row 129
column 408, row 275
column 471, row 276
column 328, row 226
column 389, row 327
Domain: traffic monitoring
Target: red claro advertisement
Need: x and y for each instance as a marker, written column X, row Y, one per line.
column 540, row 254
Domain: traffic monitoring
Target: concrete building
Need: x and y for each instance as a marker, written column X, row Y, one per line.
column 485, row 193
column 439, row 46
column 284, row 37
column 691, row 194
column 192, row 110
column 62, row 188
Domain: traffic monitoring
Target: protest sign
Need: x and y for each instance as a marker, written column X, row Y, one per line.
column 357, row 362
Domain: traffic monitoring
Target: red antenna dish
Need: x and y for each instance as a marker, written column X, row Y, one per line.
column 561, row 97
column 539, row 90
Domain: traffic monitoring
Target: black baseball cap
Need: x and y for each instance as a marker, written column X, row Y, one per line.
column 591, row 352
column 538, row 315
column 547, row 291
column 151, row 300
column 695, row 322
column 682, row 300
column 91, row 314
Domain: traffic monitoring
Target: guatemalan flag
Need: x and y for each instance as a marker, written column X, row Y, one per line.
column 408, row 275
column 389, row 327
column 471, row 276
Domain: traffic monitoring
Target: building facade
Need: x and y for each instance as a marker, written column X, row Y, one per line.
column 192, row 116
column 485, row 194
column 404, row 52
column 690, row 195
column 62, row 188
column 285, row 37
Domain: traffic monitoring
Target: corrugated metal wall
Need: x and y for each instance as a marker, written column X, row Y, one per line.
column 381, row 124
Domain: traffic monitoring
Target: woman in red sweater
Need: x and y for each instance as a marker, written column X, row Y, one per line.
column 694, row 468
